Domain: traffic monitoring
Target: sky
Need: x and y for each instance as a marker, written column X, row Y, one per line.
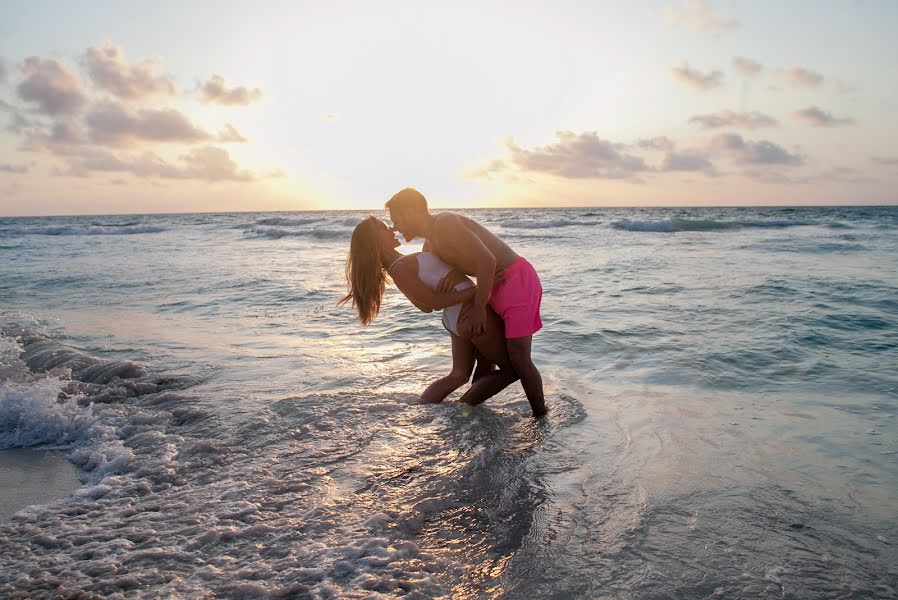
column 159, row 107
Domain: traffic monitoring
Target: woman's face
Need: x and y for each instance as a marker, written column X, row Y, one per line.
column 387, row 238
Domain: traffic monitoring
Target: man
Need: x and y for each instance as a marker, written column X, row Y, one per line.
column 505, row 281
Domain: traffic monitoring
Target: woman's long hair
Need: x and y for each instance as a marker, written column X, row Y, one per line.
column 365, row 276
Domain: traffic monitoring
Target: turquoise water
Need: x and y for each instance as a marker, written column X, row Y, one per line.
column 722, row 384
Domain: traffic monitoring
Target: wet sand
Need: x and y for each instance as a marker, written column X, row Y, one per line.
column 33, row 477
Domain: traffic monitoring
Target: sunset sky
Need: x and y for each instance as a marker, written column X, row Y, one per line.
column 153, row 107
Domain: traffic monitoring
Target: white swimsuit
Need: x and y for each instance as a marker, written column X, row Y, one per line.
column 430, row 271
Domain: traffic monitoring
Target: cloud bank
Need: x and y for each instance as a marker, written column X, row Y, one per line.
column 102, row 124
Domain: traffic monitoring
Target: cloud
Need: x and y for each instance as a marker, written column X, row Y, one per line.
column 656, row 143
column 18, row 123
column 10, row 168
column 578, row 156
column 2, row 71
column 114, row 124
column 207, row 163
column 747, row 67
column 747, row 152
column 229, row 135
column 819, row 118
column 695, row 78
column 109, row 71
column 686, row 161
column 885, row 160
column 728, row 118
column 49, row 84
column 804, row 77
column 215, row 91
column 697, row 15
column 213, row 164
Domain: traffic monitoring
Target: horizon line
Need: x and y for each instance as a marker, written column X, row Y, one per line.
column 455, row 208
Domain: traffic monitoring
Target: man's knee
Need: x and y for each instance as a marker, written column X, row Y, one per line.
column 519, row 350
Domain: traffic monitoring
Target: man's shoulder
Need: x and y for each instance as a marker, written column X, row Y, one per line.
column 448, row 221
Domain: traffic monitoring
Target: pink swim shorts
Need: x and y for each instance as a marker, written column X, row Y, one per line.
column 516, row 297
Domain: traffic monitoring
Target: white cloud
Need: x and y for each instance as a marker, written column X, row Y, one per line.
column 115, row 124
column 698, row 16
column 696, row 79
column 578, row 156
column 747, row 67
column 728, row 118
column 50, row 85
column 656, row 143
column 804, row 77
column 817, row 117
column 215, row 91
column 206, row 163
column 109, row 71
column 686, row 161
column 748, row 152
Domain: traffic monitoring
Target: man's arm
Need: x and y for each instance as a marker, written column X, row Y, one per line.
column 469, row 253
column 421, row 295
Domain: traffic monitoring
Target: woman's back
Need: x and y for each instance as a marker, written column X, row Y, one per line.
column 431, row 269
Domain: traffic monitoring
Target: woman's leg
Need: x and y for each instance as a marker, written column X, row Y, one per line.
column 462, row 365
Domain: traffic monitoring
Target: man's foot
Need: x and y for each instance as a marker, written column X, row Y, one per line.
column 538, row 413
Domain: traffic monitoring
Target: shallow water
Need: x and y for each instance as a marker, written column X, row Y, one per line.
column 722, row 386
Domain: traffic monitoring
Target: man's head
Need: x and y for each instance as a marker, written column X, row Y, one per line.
column 408, row 212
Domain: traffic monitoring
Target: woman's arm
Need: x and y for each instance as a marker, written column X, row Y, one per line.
column 405, row 276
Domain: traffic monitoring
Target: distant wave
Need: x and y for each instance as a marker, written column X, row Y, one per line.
column 545, row 224
column 79, row 230
column 284, row 222
column 675, row 225
column 275, row 233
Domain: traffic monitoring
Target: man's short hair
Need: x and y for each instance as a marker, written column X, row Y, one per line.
column 408, row 199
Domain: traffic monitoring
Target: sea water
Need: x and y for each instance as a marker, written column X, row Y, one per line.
column 722, row 386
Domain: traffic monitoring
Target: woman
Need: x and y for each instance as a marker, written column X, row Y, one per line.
column 373, row 256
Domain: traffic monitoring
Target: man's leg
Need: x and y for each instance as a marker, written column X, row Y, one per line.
column 484, row 366
column 488, row 386
column 531, row 381
column 462, row 365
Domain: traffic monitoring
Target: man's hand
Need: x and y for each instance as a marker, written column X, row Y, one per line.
column 472, row 323
column 446, row 283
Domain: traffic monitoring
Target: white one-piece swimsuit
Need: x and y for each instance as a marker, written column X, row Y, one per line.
column 430, row 271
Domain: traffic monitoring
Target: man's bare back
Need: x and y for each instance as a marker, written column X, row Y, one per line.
column 445, row 243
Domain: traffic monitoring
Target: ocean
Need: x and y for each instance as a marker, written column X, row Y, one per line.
column 722, row 386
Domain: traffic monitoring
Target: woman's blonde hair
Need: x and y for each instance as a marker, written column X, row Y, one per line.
column 366, row 278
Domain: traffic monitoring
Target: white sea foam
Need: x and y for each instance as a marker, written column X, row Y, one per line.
column 80, row 230
column 551, row 224
column 674, row 225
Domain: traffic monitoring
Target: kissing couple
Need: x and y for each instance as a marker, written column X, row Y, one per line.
column 492, row 322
